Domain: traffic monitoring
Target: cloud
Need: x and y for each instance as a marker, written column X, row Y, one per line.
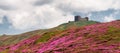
column 37, row 18
column 86, row 6
column 42, row 2
column 0, row 20
column 111, row 17
column 34, row 14
column 2, row 13
column 108, row 18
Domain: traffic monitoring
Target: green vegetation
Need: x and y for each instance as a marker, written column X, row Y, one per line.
column 75, row 24
column 48, row 35
column 112, row 36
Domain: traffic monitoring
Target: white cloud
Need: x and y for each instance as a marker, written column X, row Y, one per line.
column 108, row 18
column 29, row 14
column 23, row 20
column 39, row 17
column 111, row 17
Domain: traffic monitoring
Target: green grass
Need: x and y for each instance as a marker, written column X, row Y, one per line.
column 111, row 37
column 75, row 24
column 5, row 51
column 45, row 37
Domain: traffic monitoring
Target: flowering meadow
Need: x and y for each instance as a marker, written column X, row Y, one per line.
column 95, row 38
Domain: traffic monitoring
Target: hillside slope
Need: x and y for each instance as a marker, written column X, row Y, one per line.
column 96, row 38
column 13, row 39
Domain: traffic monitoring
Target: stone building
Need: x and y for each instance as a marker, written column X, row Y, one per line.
column 78, row 18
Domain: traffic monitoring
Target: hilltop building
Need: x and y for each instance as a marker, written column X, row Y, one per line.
column 78, row 18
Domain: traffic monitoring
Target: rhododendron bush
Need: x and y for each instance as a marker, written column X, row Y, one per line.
column 96, row 38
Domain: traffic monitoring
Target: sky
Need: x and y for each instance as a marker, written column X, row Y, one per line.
column 18, row 16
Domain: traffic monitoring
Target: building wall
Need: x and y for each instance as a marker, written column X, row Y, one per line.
column 83, row 19
column 78, row 18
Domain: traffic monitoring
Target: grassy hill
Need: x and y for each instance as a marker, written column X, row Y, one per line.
column 13, row 39
column 89, row 38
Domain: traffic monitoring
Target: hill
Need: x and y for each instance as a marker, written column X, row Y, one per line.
column 89, row 38
column 13, row 39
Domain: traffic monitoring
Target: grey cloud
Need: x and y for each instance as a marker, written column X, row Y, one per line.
column 1, row 20
column 42, row 2
column 3, row 7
